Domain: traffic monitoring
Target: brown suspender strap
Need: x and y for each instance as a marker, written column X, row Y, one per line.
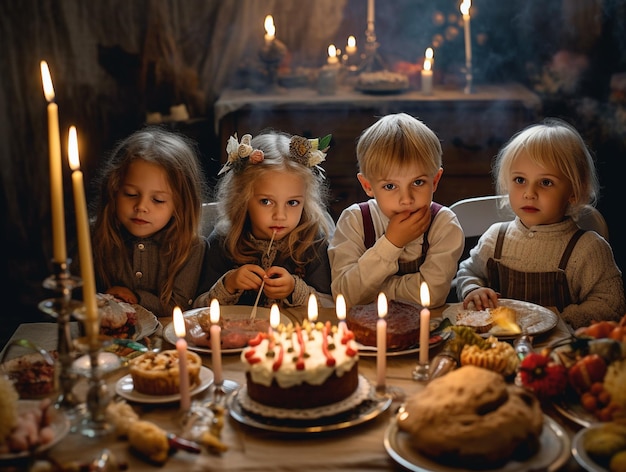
column 369, row 237
column 570, row 247
column 497, row 252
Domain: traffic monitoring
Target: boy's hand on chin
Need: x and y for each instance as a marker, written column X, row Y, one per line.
column 406, row 226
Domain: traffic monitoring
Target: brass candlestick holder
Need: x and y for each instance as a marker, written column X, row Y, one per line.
column 94, row 422
column 373, row 60
column 61, row 307
column 272, row 54
column 469, row 79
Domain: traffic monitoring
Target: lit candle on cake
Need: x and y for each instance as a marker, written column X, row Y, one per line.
column 340, row 307
column 465, row 10
column 427, row 78
column 381, row 342
column 274, row 317
column 181, row 348
column 424, row 323
column 59, row 250
column 216, row 342
column 312, row 309
column 92, row 323
column 351, row 47
column 332, row 55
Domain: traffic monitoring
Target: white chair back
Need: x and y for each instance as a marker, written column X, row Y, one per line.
column 208, row 218
column 477, row 214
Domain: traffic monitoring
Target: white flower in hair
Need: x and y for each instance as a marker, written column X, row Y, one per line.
column 239, row 153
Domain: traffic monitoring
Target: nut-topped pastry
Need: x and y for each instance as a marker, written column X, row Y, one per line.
column 158, row 373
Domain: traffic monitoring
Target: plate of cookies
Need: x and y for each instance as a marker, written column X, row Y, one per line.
column 508, row 320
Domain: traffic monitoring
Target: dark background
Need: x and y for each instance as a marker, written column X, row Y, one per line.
column 113, row 61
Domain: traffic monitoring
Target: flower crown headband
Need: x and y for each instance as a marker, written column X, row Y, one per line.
column 308, row 152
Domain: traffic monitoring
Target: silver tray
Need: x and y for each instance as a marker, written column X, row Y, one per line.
column 532, row 319
column 554, row 452
column 365, row 411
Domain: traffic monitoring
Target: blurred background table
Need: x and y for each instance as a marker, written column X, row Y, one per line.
column 471, row 127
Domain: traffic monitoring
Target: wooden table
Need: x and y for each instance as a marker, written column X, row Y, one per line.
column 358, row 448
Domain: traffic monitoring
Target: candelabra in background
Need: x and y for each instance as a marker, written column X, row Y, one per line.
column 465, row 10
column 373, row 61
column 60, row 307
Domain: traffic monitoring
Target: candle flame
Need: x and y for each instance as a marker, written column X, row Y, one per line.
column 341, row 307
column 351, row 41
column 424, row 295
column 427, row 64
column 274, row 316
column 429, row 54
column 465, row 7
column 72, row 149
column 214, row 311
column 332, row 51
column 179, row 323
column 270, row 29
column 312, row 308
column 48, row 88
column 382, row 305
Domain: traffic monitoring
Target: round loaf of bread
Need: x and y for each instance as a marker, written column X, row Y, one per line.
column 472, row 418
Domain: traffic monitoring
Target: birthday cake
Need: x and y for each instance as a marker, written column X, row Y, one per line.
column 304, row 366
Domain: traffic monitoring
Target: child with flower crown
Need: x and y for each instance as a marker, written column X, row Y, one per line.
column 272, row 232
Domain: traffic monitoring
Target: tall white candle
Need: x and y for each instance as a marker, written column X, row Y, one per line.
column 424, row 323
column 59, row 249
column 340, row 307
column 370, row 15
column 92, row 322
column 465, row 10
column 381, row 341
column 181, row 348
column 427, row 78
column 216, row 342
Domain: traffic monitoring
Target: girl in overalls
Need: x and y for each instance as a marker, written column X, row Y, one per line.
column 542, row 256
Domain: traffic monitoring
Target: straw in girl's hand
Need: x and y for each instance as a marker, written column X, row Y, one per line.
column 258, row 295
column 269, row 246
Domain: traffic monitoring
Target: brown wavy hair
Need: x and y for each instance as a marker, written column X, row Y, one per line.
column 177, row 155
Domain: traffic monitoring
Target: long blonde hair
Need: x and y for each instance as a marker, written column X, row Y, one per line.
column 176, row 154
column 235, row 189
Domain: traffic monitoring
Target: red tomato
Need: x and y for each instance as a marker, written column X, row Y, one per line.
column 586, row 371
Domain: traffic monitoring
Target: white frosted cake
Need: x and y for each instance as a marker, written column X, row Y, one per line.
column 302, row 366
